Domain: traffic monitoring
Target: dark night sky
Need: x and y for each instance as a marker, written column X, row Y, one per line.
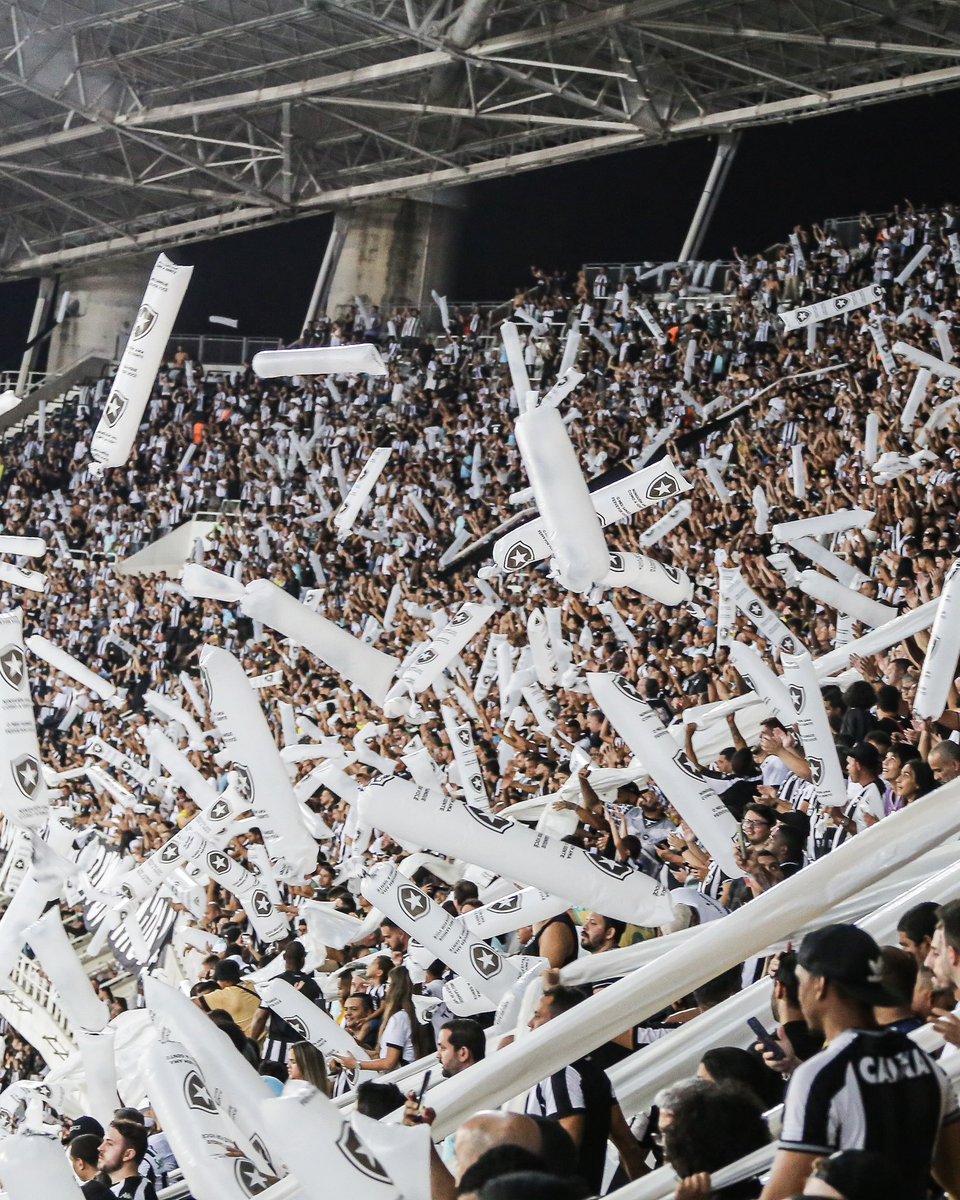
column 628, row 206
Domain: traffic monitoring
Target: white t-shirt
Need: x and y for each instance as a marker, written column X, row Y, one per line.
column 397, row 1032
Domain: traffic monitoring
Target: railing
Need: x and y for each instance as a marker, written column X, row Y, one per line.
column 213, row 349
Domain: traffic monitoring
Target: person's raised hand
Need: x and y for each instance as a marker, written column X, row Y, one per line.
column 947, row 1024
column 694, row 1187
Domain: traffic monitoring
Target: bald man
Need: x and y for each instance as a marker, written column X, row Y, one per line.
column 474, row 1138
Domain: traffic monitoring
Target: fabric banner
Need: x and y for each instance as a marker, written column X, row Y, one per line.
column 797, row 318
column 154, row 917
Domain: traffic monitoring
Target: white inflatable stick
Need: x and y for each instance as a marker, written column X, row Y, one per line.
column 460, row 734
column 844, row 599
column 667, row 523
column 30, row 547
column 308, row 1019
column 448, row 826
column 813, row 729
column 936, row 366
column 200, row 582
column 943, row 650
column 665, row 584
column 23, row 791
column 346, row 515
column 798, row 476
column 361, row 359
column 797, row 318
column 569, row 521
column 33, row 1165
column 848, row 575
column 814, row 527
column 368, row 669
column 48, row 940
column 683, row 785
column 137, row 372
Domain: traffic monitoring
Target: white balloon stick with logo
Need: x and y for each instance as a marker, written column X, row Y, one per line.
column 137, row 372
column 797, row 474
column 884, row 353
column 170, row 710
column 763, row 680
column 270, row 924
column 49, row 942
column 444, row 936
column 29, row 547
column 460, row 734
column 32, row 581
column 34, row 1165
column 444, row 646
column 915, row 399
column 914, row 262
column 733, row 585
column 234, row 1085
column 846, row 573
column 307, row 1128
column 536, row 700
column 673, row 772
column 570, row 523
column 544, row 660
column 366, row 668
column 346, row 515
column 813, row 729
column 23, row 792
column 524, row 907
column 261, row 776
column 200, row 582
column 518, row 371
column 361, row 744
column 711, row 468
column 648, row 319
column 929, row 362
column 308, row 1019
column 360, row 359
column 43, row 882
column 60, row 660
column 665, row 584
column 97, row 1053
column 835, row 595
column 448, row 826
column 814, row 527
column 200, row 1138
column 943, row 650
column 667, row 523
column 98, row 748
column 617, row 501
column 566, row 382
column 797, row 318
column 180, row 769
column 618, row 626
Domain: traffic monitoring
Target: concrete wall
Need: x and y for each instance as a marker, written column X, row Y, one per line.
column 396, row 251
column 113, row 295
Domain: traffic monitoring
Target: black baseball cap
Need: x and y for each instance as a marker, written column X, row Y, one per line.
column 849, row 956
column 84, row 1125
column 867, row 755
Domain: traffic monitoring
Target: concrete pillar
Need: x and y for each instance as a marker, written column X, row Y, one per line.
column 395, row 251
column 109, row 299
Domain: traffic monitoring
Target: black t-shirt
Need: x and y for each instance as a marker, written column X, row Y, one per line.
column 871, row 1090
column 134, row 1187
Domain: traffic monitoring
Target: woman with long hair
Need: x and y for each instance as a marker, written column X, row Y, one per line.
column 915, row 780
column 402, row 1038
column 306, row 1062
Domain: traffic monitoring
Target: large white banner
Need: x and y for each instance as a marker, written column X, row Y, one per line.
column 836, row 306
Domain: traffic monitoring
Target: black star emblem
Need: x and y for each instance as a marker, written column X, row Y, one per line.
column 170, row 852
column 796, row 695
column 26, row 774
column 412, row 901
column 518, row 556
column 146, row 319
column 262, row 904
column 508, row 904
column 663, row 486
column 486, row 961
column 113, row 409
column 350, row 1146
column 244, row 784
column 196, row 1095
column 13, row 665
column 250, row 1178
column 816, row 770
column 218, row 862
column 488, row 820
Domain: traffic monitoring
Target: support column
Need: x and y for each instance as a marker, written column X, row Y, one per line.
column 726, row 148
column 394, row 252
column 109, row 299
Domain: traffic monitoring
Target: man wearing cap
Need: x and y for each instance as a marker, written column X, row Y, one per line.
column 868, row 1089
column 233, row 997
column 865, row 787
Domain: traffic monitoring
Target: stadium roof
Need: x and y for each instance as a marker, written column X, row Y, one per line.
column 127, row 125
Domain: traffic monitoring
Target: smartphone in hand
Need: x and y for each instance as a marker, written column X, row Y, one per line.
column 767, row 1040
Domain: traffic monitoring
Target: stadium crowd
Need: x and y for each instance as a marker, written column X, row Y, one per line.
column 730, row 384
